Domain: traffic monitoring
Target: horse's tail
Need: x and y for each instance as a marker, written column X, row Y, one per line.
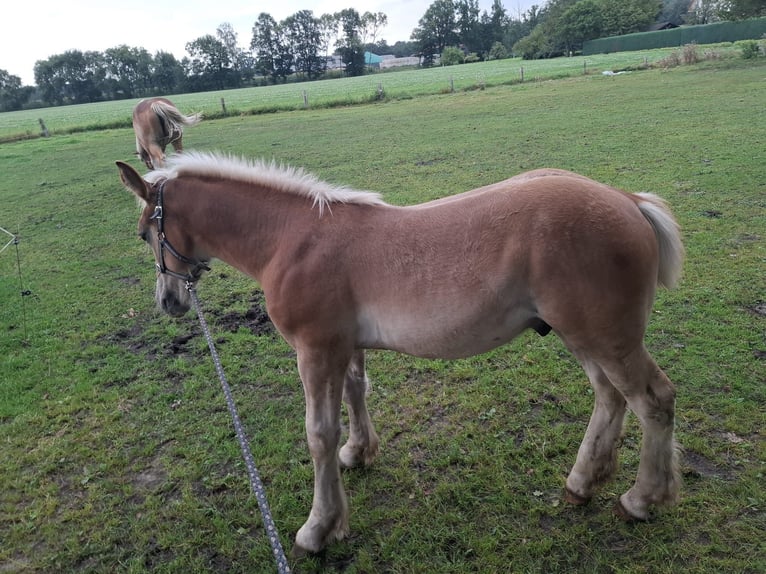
column 173, row 116
column 671, row 248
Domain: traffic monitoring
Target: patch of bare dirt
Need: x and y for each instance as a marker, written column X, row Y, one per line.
column 697, row 465
column 758, row 308
column 134, row 337
column 153, row 477
column 255, row 319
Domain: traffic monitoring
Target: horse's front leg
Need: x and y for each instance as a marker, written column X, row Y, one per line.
column 362, row 444
column 322, row 374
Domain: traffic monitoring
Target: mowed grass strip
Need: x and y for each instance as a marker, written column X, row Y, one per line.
column 118, row 452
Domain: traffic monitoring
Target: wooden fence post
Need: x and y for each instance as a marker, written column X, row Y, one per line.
column 223, row 106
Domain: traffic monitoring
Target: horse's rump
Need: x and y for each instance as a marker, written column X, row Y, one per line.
column 157, row 122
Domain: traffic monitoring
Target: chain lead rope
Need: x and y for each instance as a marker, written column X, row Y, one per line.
column 255, row 478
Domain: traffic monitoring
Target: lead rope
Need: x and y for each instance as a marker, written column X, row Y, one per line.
column 255, row 479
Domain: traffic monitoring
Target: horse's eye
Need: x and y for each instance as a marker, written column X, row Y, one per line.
column 144, row 235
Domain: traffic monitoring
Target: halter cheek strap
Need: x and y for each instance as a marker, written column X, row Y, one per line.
column 198, row 265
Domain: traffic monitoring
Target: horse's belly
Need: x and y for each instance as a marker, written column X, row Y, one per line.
column 444, row 335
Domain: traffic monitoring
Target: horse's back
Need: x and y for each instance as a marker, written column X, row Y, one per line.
column 469, row 272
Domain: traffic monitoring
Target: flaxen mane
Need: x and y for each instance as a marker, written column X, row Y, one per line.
column 265, row 173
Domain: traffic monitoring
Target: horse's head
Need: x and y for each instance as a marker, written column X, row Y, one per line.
column 176, row 272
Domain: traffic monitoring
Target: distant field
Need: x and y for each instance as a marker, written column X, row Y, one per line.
column 346, row 91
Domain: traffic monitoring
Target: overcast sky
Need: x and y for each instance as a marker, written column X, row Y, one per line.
column 38, row 29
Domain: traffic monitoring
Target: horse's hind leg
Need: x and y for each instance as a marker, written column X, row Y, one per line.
column 651, row 396
column 362, row 444
column 156, row 156
column 178, row 144
column 143, row 154
column 597, row 458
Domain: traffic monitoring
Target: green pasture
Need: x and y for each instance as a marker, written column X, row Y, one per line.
column 117, row 450
column 395, row 84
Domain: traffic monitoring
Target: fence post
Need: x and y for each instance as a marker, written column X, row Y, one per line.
column 223, row 106
column 305, row 99
column 522, row 74
column 585, row 67
column 451, row 84
column 43, row 130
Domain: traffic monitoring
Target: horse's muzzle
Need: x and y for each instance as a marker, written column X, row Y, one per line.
column 173, row 301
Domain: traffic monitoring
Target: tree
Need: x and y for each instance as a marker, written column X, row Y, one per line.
column 264, row 44
column 167, row 75
column 452, row 55
column 372, row 24
column 350, row 45
column 534, row 45
column 402, row 49
column 564, row 24
column 741, row 9
column 703, row 12
column 128, row 72
column 328, row 30
column 73, row 77
column 581, row 22
column 674, row 11
column 628, row 16
column 228, row 37
column 437, row 29
column 210, row 64
column 242, row 65
column 497, row 52
column 498, row 20
column 12, row 95
column 517, row 29
column 304, row 34
column 273, row 57
column 470, row 32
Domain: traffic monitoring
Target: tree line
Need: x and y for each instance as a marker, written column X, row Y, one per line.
column 300, row 47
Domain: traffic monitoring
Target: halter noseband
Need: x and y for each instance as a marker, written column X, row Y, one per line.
column 198, row 265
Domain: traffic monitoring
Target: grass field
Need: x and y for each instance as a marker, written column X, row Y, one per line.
column 347, row 91
column 118, row 453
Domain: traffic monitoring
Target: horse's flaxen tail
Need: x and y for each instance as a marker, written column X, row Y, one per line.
column 173, row 116
column 671, row 248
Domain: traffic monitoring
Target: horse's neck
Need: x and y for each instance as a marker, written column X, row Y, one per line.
column 245, row 229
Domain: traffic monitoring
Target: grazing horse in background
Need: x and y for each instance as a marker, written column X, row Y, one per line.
column 342, row 271
column 157, row 123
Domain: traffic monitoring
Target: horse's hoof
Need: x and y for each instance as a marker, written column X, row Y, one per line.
column 575, row 499
column 299, row 552
column 622, row 513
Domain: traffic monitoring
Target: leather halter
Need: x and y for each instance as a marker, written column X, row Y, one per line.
column 198, row 265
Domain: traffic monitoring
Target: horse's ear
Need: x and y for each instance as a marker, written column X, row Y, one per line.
column 133, row 181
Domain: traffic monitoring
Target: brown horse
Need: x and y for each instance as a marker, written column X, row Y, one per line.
column 342, row 271
column 157, row 123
